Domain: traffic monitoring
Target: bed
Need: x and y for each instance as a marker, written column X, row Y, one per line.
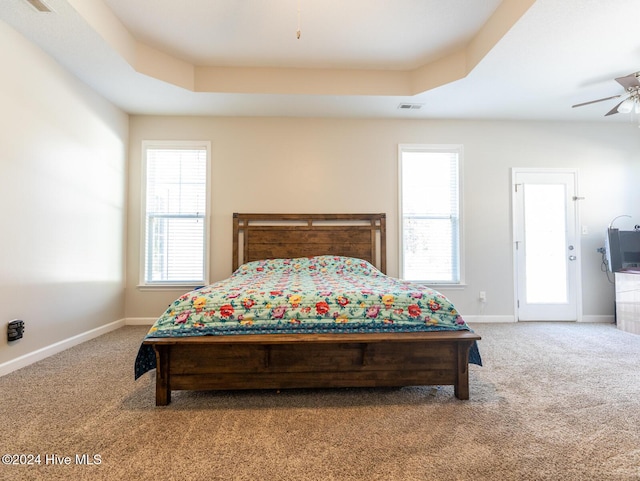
column 308, row 306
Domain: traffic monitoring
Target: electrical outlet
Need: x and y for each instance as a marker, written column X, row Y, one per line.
column 482, row 296
column 15, row 330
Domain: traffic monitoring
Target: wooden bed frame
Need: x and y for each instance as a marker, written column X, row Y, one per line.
column 280, row 361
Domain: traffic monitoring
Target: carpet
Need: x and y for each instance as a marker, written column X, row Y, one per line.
column 552, row 401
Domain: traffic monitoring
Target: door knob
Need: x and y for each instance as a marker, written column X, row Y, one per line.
column 572, row 258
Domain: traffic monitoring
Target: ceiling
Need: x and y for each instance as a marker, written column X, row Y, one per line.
column 455, row 59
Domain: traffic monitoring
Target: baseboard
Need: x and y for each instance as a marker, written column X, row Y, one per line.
column 604, row 319
column 485, row 319
column 140, row 321
column 43, row 353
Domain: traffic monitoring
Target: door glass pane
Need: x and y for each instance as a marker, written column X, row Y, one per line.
column 545, row 243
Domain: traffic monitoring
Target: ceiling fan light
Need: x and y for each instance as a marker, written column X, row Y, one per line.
column 626, row 106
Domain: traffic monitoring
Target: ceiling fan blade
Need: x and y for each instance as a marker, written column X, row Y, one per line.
column 613, row 110
column 629, row 81
column 595, row 101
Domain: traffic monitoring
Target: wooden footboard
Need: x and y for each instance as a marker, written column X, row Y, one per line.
column 312, row 361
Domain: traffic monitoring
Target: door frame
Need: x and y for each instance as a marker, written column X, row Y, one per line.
column 578, row 238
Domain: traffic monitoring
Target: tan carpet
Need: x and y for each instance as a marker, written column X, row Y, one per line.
column 553, row 402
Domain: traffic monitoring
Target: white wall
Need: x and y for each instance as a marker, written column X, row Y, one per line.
column 350, row 165
column 63, row 166
column 63, row 156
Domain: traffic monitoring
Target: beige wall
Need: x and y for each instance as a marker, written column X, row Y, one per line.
column 63, row 165
column 63, row 168
column 350, row 165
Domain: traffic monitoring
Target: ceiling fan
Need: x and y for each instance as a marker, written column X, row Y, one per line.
column 631, row 86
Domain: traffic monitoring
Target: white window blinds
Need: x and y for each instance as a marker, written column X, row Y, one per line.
column 429, row 188
column 175, row 215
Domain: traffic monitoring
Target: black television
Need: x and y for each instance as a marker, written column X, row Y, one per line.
column 622, row 249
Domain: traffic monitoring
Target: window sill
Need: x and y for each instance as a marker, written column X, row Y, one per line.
column 443, row 286
column 169, row 287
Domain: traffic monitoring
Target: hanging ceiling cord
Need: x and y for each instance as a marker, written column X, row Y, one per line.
column 298, row 33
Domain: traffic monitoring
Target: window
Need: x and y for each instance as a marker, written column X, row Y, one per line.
column 175, row 207
column 429, row 213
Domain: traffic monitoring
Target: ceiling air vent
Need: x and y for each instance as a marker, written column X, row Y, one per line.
column 40, row 6
column 410, row 106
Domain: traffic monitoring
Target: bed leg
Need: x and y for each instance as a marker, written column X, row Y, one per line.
column 163, row 386
column 461, row 387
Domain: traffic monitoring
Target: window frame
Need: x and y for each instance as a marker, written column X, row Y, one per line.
column 433, row 148
column 178, row 145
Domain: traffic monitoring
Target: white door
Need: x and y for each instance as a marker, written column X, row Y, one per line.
column 546, row 245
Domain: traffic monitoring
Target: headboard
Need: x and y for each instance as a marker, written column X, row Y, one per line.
column 272, row 236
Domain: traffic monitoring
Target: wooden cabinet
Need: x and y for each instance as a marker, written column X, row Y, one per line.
column 628, row 301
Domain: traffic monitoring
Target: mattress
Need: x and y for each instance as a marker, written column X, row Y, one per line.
column 322, row 294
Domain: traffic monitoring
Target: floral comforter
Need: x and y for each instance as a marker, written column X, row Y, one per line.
column 323, row 294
